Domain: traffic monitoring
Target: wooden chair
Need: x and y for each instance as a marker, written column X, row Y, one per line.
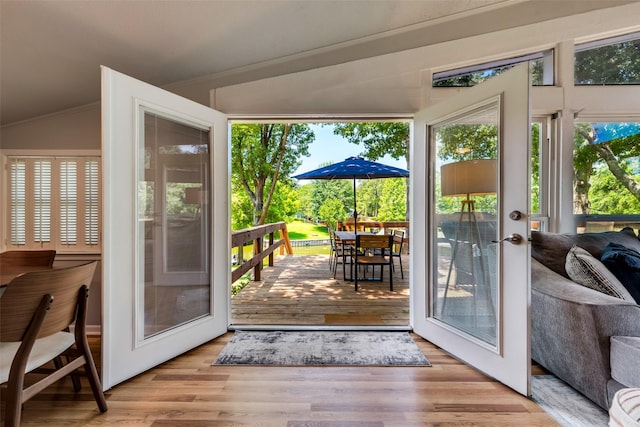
column 28, row 258
column 36, row 310
column 396, row 251
column 371, row 250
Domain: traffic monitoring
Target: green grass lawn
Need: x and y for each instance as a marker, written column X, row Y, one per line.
column 300, row 230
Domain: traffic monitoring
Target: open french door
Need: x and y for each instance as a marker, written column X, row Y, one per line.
column 471, row 282
column 166, row 216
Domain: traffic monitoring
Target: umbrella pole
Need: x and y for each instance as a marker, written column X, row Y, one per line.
column 355, row 208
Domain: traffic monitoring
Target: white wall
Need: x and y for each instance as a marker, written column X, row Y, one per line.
column 76, row 129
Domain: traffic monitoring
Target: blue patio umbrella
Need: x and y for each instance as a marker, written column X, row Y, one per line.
column 604, row 132
column 355, row 168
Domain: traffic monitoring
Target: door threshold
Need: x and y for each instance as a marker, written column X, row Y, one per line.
column 380, row 328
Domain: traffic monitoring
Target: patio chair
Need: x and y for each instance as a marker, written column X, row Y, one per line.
column 373, row 250
column 35, row 313
column 396, row 251
column 340, row 253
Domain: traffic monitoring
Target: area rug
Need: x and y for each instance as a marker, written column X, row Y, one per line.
column 568, row 407
column 321, row 348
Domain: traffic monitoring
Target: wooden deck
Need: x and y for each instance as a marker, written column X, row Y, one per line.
column 301, row 290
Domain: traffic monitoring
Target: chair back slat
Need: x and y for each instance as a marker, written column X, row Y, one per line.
column 24, row 293
column 373, row 241
column 27, row 258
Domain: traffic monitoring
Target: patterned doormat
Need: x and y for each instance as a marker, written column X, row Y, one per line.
column 321, row 348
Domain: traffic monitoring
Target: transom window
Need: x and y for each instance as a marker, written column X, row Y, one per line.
column 540, row 63
column 614, row 61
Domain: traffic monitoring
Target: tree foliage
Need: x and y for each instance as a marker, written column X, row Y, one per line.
column 331, row 211
column 261, row 155
column 340, row 190
column 614, row 154
column 614, row 64
column 392, row 199
column 468, row 142
column 378, row 138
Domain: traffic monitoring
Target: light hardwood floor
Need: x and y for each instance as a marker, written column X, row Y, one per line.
column 188, row 391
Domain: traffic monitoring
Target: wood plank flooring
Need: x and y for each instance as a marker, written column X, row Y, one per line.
column 188, row 392
column 301, row 290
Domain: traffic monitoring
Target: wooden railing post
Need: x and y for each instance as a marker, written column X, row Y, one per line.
column 287, row 242
column 271, row 254
column 257, row 249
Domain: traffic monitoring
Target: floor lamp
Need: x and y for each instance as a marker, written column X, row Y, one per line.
column 465, row 179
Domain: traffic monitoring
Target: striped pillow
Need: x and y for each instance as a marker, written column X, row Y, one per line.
column 625, row 409
column 585, row 269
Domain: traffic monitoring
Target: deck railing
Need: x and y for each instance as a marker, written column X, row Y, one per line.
column 261, row 251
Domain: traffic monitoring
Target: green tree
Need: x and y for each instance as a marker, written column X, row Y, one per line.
column 392, row 199
column 468, row 142
column 305, row 194
column 368, row 194
column 263, row 153
column 284, row 204
column 379, row 139
column 331, row 211
column 608, row 195
column 614, row 64
column 613, row 153
column 338, row 189
column 241, row 208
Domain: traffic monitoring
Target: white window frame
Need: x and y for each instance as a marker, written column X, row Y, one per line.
column 81, row 245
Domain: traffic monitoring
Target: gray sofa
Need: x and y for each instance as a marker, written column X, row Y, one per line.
column 572, row 326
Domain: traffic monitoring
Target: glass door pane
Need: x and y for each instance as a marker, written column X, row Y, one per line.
column 173, row 238
column 466, row 197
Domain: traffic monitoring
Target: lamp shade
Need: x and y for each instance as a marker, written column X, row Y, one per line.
column 469, row 177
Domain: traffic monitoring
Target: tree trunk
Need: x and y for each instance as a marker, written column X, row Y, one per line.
column 628, row 181
column 581, row 191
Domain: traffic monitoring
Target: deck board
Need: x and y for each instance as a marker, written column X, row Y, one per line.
column 301, row 290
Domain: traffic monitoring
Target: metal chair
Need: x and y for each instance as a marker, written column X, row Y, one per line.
column 340, row 252
column 35, row 313
column 396, row 250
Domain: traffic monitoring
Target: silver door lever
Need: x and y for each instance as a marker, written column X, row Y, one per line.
column 514, row 238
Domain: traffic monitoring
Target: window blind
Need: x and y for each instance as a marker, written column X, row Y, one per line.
column 54, row 203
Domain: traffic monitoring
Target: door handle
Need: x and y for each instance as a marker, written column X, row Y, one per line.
column 514, row 238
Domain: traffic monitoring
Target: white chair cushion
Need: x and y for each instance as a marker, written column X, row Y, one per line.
column 44, row 350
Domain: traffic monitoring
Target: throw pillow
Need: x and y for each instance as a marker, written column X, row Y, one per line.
column 588, row 271
column 624, row 263
column 551, row 249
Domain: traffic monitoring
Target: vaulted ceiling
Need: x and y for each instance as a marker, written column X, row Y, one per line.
column 51, row 51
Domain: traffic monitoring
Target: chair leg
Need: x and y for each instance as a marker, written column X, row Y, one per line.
column 82, row 345
column 13, row 404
